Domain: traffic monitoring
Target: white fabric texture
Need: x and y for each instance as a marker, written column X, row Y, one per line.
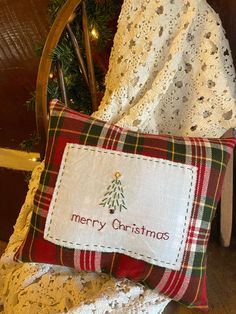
column 45, row 289
column 170, row 70
column 125, row 205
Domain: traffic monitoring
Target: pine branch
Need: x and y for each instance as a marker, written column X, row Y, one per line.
column 28, row 144
column 99, row 12
column 54, row 7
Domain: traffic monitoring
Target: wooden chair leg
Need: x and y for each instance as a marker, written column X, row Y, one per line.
column 226, row 217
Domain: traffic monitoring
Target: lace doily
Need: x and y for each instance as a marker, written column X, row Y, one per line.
column 40, row 288
column 170, row 70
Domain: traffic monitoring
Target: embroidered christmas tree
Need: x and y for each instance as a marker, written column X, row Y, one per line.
column 114, row 198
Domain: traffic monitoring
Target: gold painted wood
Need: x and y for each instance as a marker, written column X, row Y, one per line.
column 45, row 66
column 91, row 75
column 17, row 160
column 226, row 208
column 78, row 54
column 61, row 83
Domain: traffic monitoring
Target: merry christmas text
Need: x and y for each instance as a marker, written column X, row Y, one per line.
column 118, row 225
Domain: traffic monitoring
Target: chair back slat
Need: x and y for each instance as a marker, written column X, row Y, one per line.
column 62, row 22
column 78, row 54
column 91, row 75
column 61, row 82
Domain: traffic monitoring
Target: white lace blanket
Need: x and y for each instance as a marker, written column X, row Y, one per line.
column 45, row 289
column 170, row 70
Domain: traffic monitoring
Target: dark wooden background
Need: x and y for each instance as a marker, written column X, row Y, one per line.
column 23, row 25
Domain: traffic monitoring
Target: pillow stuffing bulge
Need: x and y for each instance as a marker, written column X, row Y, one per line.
column 207, row 159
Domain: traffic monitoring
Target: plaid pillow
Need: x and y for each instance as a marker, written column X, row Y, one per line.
column 210, row 156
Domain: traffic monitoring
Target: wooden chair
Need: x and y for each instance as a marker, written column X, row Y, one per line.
column 227, row 201
column 62, row 22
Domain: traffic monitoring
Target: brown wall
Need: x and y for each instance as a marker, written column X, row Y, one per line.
column 23, row 25
column 13, row 188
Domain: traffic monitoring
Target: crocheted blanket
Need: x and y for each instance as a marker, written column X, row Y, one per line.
column 170, row 70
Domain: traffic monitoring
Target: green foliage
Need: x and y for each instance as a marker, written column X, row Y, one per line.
column 54, row 7
column 99, row 16
column 39, row 49
column 28, row 144
column 100, row 13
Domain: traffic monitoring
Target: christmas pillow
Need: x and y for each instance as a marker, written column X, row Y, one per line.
column 129, row 204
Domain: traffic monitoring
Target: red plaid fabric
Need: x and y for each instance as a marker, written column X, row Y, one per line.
column 188, row 285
